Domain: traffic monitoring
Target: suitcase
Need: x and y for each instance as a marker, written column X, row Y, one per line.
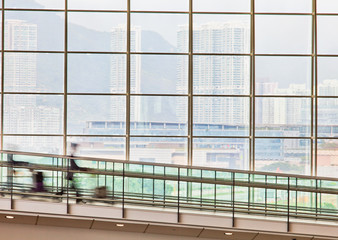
column 100, row 192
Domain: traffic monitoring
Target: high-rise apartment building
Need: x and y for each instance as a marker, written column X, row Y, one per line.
column 22, row 112
column 218, row 75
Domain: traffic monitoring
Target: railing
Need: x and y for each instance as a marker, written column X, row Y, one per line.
column 173, row 187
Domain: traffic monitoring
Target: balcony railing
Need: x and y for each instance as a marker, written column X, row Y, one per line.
column 175, row 187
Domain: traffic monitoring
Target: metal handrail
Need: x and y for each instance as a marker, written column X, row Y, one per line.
column 287, row 184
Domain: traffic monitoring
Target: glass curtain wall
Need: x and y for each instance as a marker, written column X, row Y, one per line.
column 245, row 84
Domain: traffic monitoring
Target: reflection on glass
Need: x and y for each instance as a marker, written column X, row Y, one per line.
column 38, row 144
column 221, row 116
column 34, row 30
column 159, row 74
column 33, row 72
column 326, row 35
column 33, row 114
column 283, row 75
column 97, row 73
column 159, row 115
column 327, row 76
column 151, row 32
column 220, row 33
column 327, row 117
column 327, row 6
column 283, row 155
column 96, row 115
column 287, row 6
column 288, row 117
column 89, row 31
column 327, row 157
column 283, row 34
column 100, row 147
column 221, row 6
column 163, row 5
column 221, row 75
column 37, row 4
column 232, row 153
column 159, row 150
column 97, row 5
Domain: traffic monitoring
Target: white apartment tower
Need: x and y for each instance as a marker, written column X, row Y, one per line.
column 218, row 75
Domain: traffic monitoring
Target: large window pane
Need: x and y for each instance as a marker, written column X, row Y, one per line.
column 33, row 72
column 33, row 114
column 328, row 117
column 221, row 5
column 221, row 75
column 327, row 34
column 288, row 6
column 38, row 144
column 159, row 115
column 97, row 31
column 159, row 150
column 327, row 157
column 153, row 32
column 96, row 73
column 283, row 155
column 34, row 30
column 327, row 76
column 163, row 5
column 220, row 33
column 38, row 4
column 328, row 6
column 97, row 5
column 232, row 153
column 96, row 115
column 159, row 74
column 101, row 147
column 221, row 116
column 283, row 75
column 288, row 117
column 283, row 34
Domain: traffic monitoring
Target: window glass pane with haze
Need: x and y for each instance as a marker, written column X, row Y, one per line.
column 159, row 32
column 97, row 73
column 34, row 72
column 284, row 6
column 34, row 30
column 283, row 75
column 35, row 4
column 327, row 34
column 290, row 156
column 221, row 75
column 283, row 117
column 327, row 6
column 327, row 76
column 33, row 114
column 159, row 74
column 159, row 5
column 159, row 150
column 158, row 115
column 97, row 4
column 220, row 33
column 105, row 32
column 283, row 34
column 221, row 116
column 96, row 115
column 230, row 153
column 36, row 144
column 221, row 5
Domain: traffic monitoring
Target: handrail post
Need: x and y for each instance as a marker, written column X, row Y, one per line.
column 67, row 173
column 178, row 195
column 288, row 217
column 233, row 199
column 123, row 182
